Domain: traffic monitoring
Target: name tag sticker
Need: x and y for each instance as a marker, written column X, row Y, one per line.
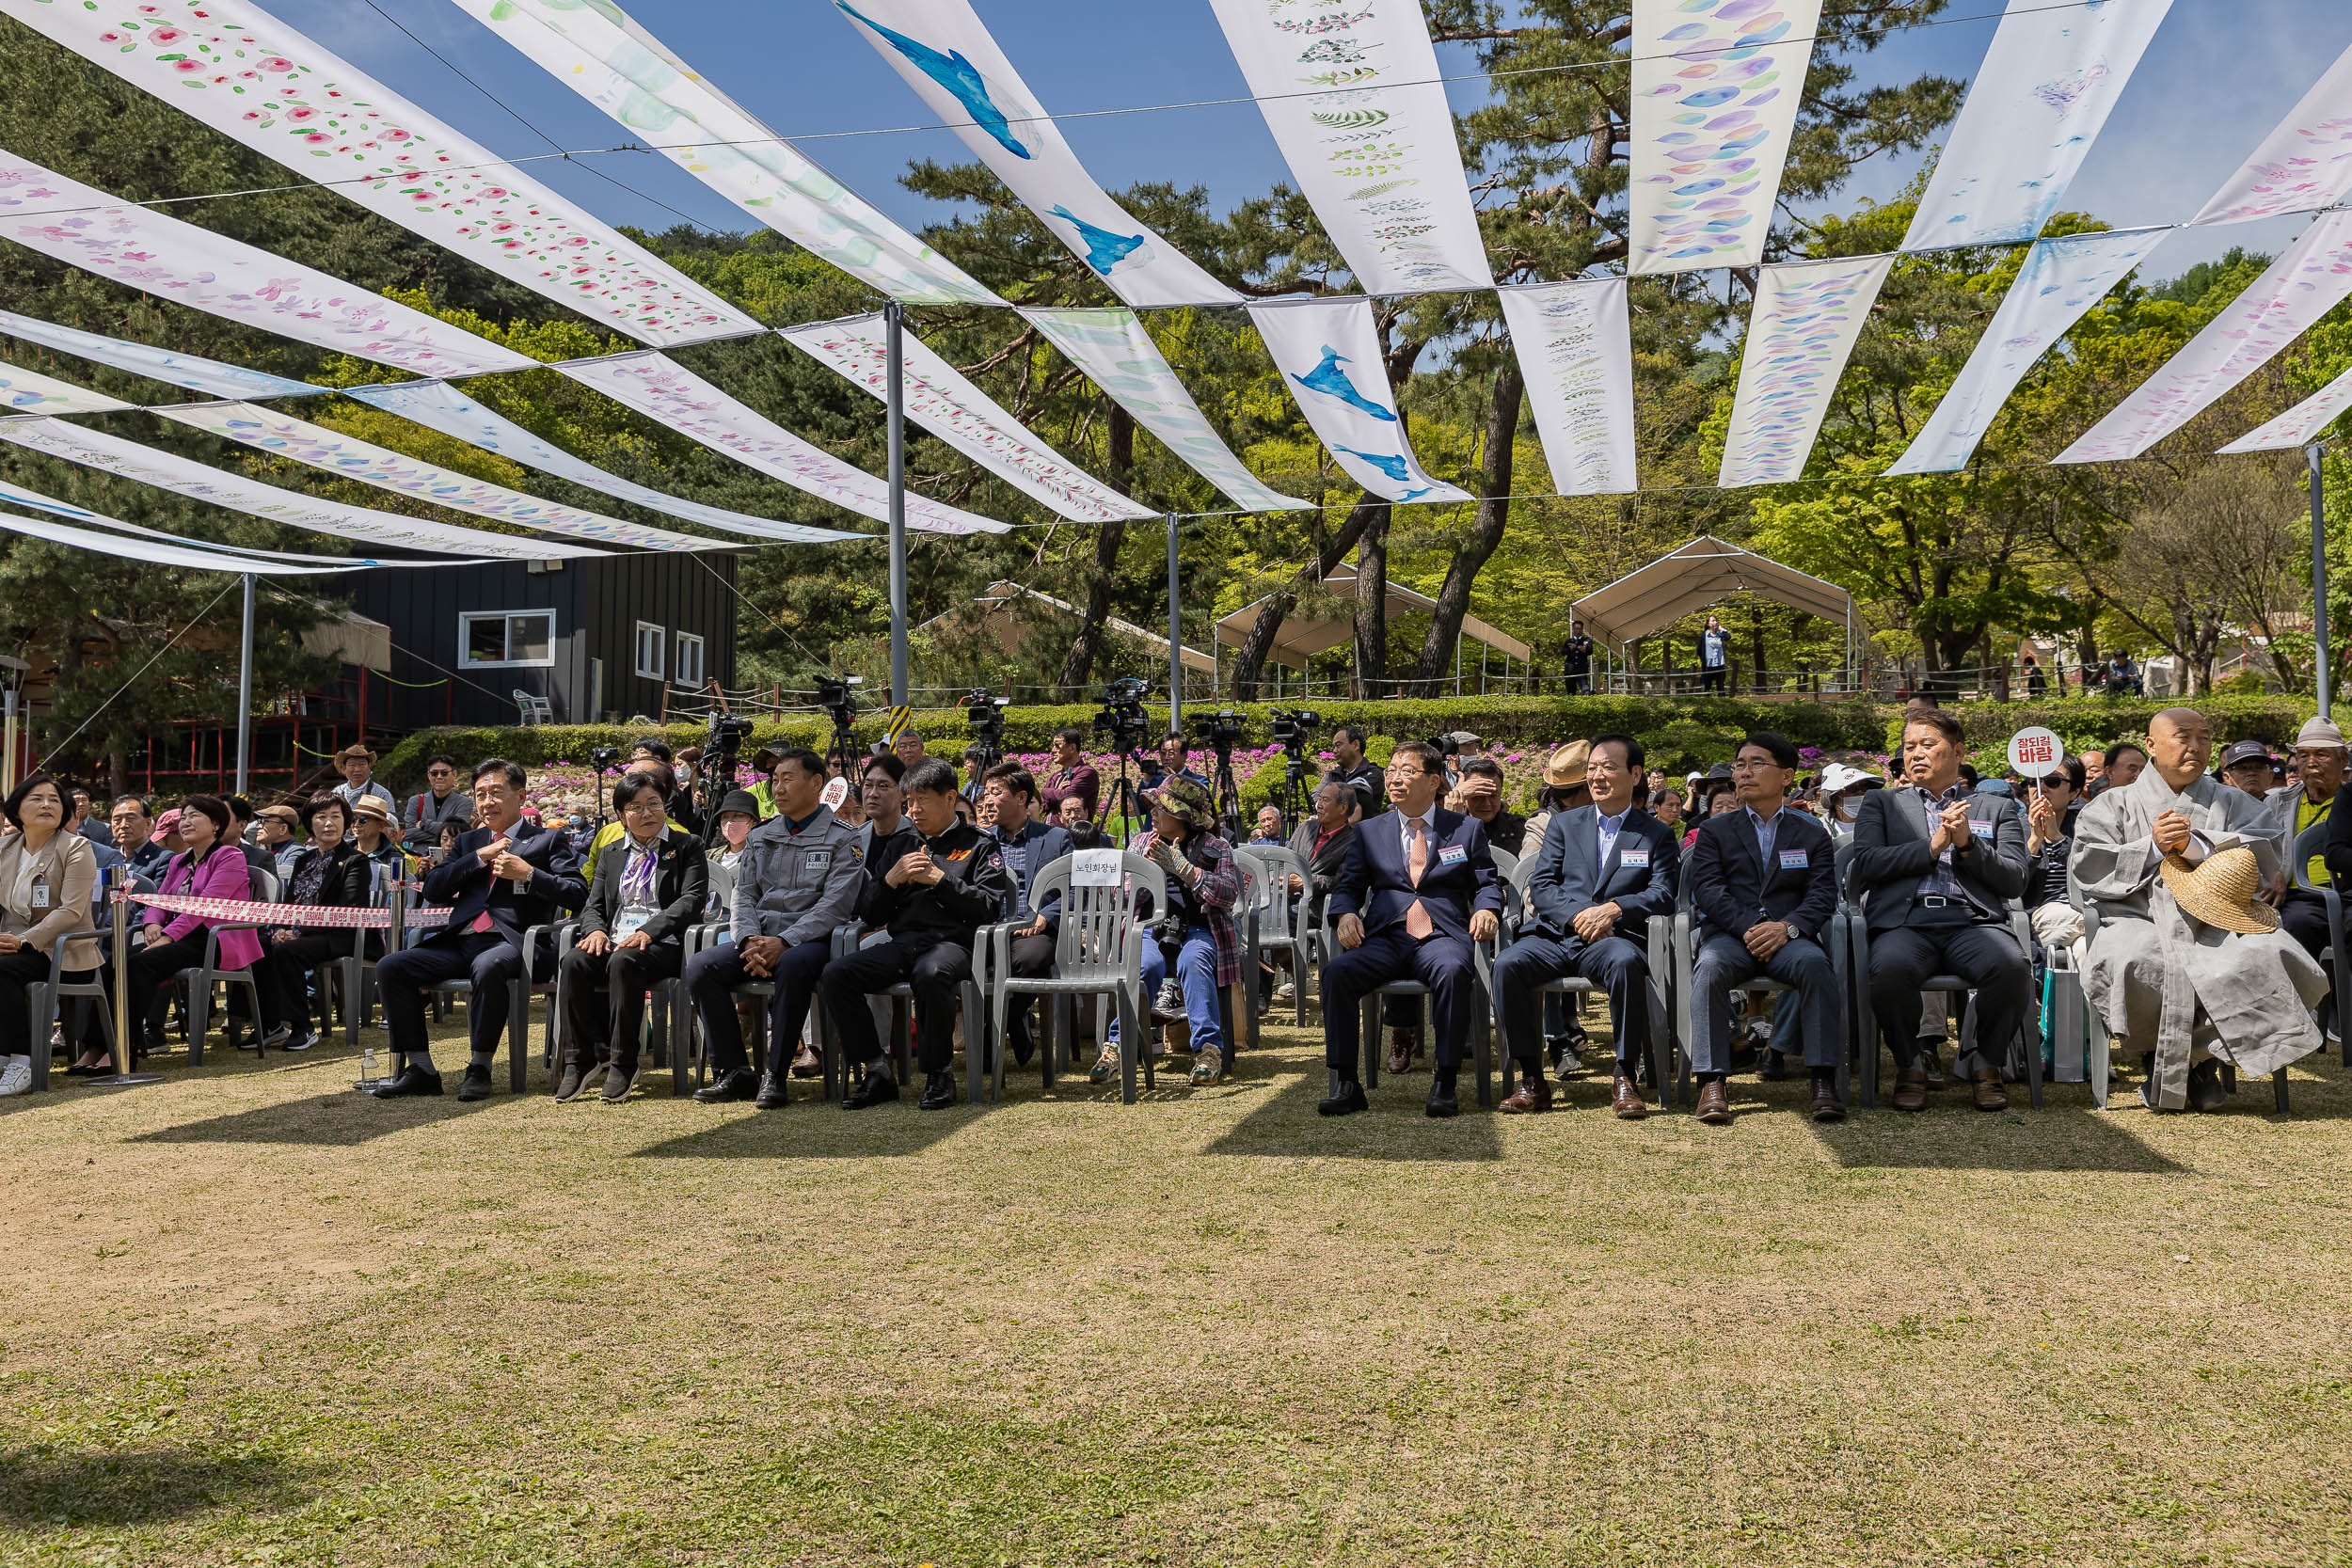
column 1453, row 854
column 631, row 922
column 1095, row 868
column 1633, row 860
column 1981, row 829
column 1794, row 860
column 41, row 896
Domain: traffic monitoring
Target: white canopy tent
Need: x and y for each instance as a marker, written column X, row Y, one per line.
column 1302, row 637
column 1706, row 571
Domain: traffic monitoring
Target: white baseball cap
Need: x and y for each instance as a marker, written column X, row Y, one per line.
column 1839, row 777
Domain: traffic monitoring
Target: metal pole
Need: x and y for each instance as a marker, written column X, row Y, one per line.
column 1175, row 636
column 2319, row 573
column 7, row 756
column 896, row 371
column 117, row 881
column 244, row 689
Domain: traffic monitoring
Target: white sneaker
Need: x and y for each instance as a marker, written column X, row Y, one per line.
column 17, row 1077
column 1284, row 992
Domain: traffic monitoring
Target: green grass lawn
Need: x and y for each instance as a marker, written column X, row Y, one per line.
column 250, row 1317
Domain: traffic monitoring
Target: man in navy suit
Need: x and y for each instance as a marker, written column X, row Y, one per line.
column 1418, row 888
column 502, row 878
column 1764, row 884
column 1604, row 870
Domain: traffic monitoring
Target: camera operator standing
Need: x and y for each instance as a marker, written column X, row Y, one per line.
column 1350, row 767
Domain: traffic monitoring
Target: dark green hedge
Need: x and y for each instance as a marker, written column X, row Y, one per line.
column 1678, row 732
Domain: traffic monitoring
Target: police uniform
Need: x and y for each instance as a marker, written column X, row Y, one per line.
column 929, row 944
column 796, row 881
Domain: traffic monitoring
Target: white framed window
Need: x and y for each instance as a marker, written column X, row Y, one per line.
column 687, row 669
column 506, row 639
column 652, row 643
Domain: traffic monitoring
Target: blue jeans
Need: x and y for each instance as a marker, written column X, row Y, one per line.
column 1196, row 971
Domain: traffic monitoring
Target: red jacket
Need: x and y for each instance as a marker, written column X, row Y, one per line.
column 223, row 875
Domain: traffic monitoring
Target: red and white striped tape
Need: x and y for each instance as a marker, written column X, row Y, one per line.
column 315, row 915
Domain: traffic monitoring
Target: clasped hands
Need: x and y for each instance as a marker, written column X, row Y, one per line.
column 1350, row 930
column 1598, row 922
column 914, row 867
column 496, row 856
column 1951, row 832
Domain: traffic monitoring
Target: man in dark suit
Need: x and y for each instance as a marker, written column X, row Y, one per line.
column 1418, row 887
column 1936, row 867
column 1602, row 873
column 502, row 878
column 650, row 886
column 1763, row 885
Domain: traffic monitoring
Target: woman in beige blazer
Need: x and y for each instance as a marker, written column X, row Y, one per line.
column 46, row 878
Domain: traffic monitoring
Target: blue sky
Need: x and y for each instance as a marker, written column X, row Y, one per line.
column 2219, row 75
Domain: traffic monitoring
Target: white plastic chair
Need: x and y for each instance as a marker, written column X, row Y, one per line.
column 1098, row 951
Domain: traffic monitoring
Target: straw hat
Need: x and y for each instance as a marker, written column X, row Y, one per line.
column 373, row 808
column 2219, row 891
column 1565, row 769
column 356, row 753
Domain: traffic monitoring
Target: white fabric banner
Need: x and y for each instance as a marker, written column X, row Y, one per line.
column 674, row 396
column 2306, row 282
column 945, row 52
column 2039, row 101
column 156, row 364
column 1807, row 317
column 24, row 391
column 1716, row 87
column 2060, row 281
column 349, row 457
column 940, row 400
column 441, row 406
column 158, row 552
column 1350, row 90
column 1120, row 356
column 84, row 226
column 261, row 83
column 200, row 481
column 1576, row 352
column 16, row 495
column 2304, row 166
column 1328, row 352
column 2301, row 425
column 604, row 54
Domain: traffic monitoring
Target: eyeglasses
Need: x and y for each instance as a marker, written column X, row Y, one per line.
column 1407, row 772
column 1750, row 765
column 2057, row 781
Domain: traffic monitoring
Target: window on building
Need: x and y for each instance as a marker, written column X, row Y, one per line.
column 506, row 639
column 687, row 670
column 651, row 643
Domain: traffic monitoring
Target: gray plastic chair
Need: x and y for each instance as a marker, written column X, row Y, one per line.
column 1283, row 924
column 1482, row 1014
column 1836, row 940
column 45, row 999
column 1864, row 1032
column 664, row 1025
column 1098, row 951
column 260, row 887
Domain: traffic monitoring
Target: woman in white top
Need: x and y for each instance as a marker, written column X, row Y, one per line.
column 46, row 875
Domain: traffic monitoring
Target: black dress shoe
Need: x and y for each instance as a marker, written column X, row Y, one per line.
column 1774, row 1067
column 2207, row 1089
column 938, row 1092
column 567, row 1088
column 737, row 1083
column 877, row 1087
column 772, row 1096
column 1441, row 1102
column 475, row 1085
column 1345, row 1099
column 411, row 1079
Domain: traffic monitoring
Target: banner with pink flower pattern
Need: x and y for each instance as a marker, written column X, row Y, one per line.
column 2304, row 166
column 249, row 76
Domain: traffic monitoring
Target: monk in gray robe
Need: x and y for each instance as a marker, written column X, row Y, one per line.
column 2162, row 981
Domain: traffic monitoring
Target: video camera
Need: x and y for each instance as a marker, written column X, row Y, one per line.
column 1122, row 716
column 986, row 714
column 1447, row 746
column 1294, row 728
column 1220, row 730
column 604, row 759
column 723, row 745
column 833, row 696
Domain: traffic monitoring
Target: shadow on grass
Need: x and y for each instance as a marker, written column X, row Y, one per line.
column 1952, row 1135
column 43, row 1487
column 816, row 1129
column 1394, row 1128
column 333, row 1121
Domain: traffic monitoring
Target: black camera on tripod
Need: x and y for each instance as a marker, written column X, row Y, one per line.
column 1294, row 728
column 1122, row 716
column 604, row 759
column 835, row 697
column 723, row 745
column 1220, row 731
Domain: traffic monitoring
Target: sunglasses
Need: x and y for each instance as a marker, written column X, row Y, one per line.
column 2057, row 781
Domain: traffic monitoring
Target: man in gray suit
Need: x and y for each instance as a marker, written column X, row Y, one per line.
column 1604, row 870
column 1937, row 868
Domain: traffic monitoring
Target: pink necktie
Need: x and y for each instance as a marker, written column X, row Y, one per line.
column 1417, row 922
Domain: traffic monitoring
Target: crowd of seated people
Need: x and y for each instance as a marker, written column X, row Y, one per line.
column 2157, row 857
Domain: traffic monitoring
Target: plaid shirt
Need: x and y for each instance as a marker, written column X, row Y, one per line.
column 1214, row 894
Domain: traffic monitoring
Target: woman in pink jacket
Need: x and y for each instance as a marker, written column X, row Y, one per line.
column 212, row 866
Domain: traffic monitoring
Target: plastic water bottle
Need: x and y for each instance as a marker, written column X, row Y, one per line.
column 367, row 1066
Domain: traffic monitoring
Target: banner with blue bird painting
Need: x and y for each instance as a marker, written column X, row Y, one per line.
column 1328, row 352
column 2040, row 100
column 1120, row 356
column 1802, row 330
column 945, row 52
column 1716, row 86
column 602, row 53
column 1350, row 89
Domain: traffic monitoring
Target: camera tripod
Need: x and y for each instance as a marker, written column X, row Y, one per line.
column 1224, row 794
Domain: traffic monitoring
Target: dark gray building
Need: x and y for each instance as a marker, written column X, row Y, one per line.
column 593, row 638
